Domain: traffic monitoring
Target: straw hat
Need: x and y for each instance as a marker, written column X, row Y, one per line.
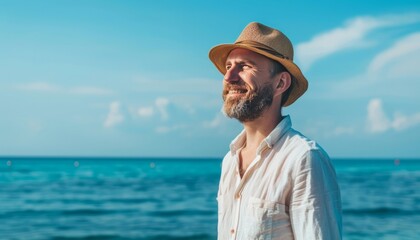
column 268, row 42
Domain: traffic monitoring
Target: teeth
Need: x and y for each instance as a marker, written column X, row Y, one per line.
column 236, row 91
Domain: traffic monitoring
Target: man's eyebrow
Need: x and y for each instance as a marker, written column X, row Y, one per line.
column 246, row 61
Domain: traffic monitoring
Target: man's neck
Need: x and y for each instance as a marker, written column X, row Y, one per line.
column 257, row 130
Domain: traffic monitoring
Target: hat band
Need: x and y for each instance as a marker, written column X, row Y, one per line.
column 261, row 46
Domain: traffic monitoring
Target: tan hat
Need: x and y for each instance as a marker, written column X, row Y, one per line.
column 269, row 42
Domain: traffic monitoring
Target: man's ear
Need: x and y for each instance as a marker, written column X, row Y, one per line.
column 283, row 80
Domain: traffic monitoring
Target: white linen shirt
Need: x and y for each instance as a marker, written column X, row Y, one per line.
column 289, row 191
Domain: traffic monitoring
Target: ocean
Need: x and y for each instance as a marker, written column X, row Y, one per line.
column 173, row 198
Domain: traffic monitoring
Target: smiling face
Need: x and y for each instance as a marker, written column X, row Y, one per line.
column 248, row 86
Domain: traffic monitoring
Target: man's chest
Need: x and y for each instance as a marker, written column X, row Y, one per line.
column 255, row 206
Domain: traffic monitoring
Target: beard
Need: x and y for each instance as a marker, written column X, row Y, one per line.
column 249, row 107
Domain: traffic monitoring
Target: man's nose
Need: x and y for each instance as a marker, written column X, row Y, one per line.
column 232, row 74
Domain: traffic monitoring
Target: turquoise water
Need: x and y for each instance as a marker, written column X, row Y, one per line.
column 120, row 198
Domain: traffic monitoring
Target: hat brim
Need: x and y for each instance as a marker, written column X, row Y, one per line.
column 219, row 54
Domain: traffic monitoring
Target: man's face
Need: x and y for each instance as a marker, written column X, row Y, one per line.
column 247, row 86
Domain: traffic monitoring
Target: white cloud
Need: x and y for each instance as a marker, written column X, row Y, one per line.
column 397, row 53
column 189, row 94
column 403, row 122
column 394, row 72
column 146, row 112
column 376, row 119
column 216, row 122
column 338, row 131
column 179, row 86
column 378, row 122
column 161, row 105
column 329, row 128
column 90, row 91
column 162, row 129
column 351, row 35
column 38, row 86
column 114, row 116
column 167, row 129
column 47, row 87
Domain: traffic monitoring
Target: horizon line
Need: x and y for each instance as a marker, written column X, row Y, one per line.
column 5, row 157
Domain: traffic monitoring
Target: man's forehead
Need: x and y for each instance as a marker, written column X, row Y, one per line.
column 245, row 55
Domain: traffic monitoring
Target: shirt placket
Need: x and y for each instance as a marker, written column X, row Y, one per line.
column 239, row 186
column 237, row 203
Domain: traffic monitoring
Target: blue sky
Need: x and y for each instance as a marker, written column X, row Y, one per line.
column 132, row 78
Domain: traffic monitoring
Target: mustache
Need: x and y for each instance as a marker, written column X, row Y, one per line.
column 235, row 86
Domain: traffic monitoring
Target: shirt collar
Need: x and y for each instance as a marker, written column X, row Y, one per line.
column 275, row 135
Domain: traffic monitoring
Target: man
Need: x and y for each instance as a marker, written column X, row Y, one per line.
column 275, row 182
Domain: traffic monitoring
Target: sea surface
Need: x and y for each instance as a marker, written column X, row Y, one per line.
column 173, row 198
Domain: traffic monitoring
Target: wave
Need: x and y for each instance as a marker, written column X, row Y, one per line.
column 87, row 212
column 133, row 200
column 92, row 237
column 118, row 237
column 173, row 213
column 381, row 211
column 90, row 201
column 79, row 212
column 97, row 212
column 190, row 237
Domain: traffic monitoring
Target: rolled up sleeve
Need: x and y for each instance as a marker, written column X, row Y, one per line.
column 315, row 202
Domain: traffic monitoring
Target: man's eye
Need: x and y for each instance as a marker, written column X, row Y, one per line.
column 228, row 67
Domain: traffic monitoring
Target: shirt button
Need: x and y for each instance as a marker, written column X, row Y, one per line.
column 237, row 196
column 232, row 231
